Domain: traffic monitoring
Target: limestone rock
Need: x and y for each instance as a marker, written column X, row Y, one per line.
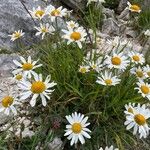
column 110, row 26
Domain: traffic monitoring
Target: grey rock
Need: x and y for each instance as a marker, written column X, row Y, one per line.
column 6, row 64
column 111, row 27
column 130, row 33
column 108, row 13
column 13, row 17
column 122, row 5
column 56, row 144
column 75, row 4
column 125, row 15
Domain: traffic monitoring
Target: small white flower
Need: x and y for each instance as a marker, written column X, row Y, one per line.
column 77, row 128
column 26, row 67
column 71, row 24
column 133, row 7
column 136, row 57
column 108, row 79
column 143, row 88
column 140, row 74
column 43, row 29
column 147, row 33
column 97, row 1
column 84, row 69
column 130, row 108
column 138, row 121
column 109, row 148
column 146, row 69
column 37, row 13
column 16, row 35
column 77, row 35
column 56, row 12
column 96, row 65
column 36, row 88
column 118, row 61
column 8, row 101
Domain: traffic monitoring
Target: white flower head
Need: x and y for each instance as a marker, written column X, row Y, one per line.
column 96, row 65
column 143, row 88
column 133, row 7
column 44, row 29
column 71, row 24
column 37, row 13
column 130, row 108
column 8, row 101
column 77, row 128
column 26, row 67
column 84, row 69
column 16, row 35
column 118, row 61
column 109, row 148
column 53, row 12
column 146, row 69
column 138, row 121
column 139, row 72
column 108, row 79
column 137, row 58
column 36, row 88
column 77, row 35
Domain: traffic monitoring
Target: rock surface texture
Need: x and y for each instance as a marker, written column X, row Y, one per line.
column 13, row 17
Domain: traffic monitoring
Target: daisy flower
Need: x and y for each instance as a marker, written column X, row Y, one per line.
column 26, row 67
column 138, row 121
column 16, row 35
column 71, row 24
column 84, row 69
column 143, row 88
column 18, row 77
column 77, row 128
column 56, row 12
column 130, row 108
column 147, row 71
column 108, row 79
column 134, row 7
column 98, row 1
column 37, row 13
column 140, row 74
column 8, row 101
column 109, row 148
column 77, row 35
column 36, row 88
column 96, row 65
column 118, row 61
column 136, row 57
column 43, row 29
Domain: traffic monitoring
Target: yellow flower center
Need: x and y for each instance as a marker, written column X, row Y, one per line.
column 17, row 35
column 94, row 66
column 145, row 89
column 7, row 101
column 75, row 36
column 136, row 58
column 140, row 119
column 44, row 30
column 38, row 87
column 116, row 61
column 72, row 25
column 83, row 70
column 135, row 8
column 130, row 110
column 139, row 74
column 27, row 66
column 55, row 12
column 108, row 81
column 18, row 77
column 39, row 13
column 76, row 128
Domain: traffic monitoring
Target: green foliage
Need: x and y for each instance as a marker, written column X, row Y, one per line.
column 144, row 19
